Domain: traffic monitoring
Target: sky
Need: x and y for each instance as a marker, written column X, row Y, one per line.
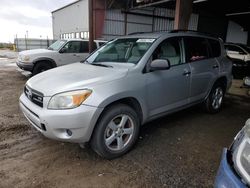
column 32, row 17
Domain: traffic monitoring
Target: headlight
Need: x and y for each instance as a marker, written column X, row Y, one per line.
column 241, row 154
column 26, row 58
column 68, row 100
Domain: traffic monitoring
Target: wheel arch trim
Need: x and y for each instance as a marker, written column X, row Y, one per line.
column 53, row 63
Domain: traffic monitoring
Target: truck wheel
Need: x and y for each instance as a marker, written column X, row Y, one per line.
column 215, row 99
column 41, row 67
column 116, row 131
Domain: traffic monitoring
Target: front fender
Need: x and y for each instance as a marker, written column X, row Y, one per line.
column 121, row 96
column 45, row 59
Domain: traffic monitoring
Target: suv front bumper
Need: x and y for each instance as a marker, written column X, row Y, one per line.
column 25, row 66
column 56, row 124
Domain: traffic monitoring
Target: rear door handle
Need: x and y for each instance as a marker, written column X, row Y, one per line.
column 186, row 73
column 215, row 66
column 76, row 55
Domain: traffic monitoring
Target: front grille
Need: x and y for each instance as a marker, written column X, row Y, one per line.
column 34, row 96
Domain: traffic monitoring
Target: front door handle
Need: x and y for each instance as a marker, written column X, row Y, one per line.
column 215, row 66
column 186, row 73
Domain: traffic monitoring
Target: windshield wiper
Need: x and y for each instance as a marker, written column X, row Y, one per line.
column 101, row 65
column 96, row 64
column 84, row 61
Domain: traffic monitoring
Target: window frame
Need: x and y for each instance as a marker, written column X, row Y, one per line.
column 182, row 54
column 211, row 49
column 180, row 42
column 82, row 45
column 187, row 50
column 71, row 52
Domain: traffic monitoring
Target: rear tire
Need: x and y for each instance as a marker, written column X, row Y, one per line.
column 214, row 101
column 116, row 131
column 41, row 67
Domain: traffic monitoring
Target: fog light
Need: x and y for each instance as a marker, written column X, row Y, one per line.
column 43, row 127
column 69, row 132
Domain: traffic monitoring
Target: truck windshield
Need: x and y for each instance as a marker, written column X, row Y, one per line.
column 126, row 50
column 57, row 45
column 247, row 48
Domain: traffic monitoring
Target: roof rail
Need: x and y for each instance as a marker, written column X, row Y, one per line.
column 134, row 33
column 193, row 31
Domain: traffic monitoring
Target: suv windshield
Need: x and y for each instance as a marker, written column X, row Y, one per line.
column 57, row 45
column 127, row 50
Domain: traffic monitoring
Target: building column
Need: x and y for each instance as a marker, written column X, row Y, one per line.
column 183, row 11
column 91, row 26
column 96, row 21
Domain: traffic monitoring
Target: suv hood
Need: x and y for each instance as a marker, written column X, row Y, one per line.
column 72, row 77
column 34, row 52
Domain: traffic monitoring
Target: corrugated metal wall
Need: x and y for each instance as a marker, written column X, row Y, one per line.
column 114, row 24
column 29, row 44
column 235, row 33
column 161, row 24
column 118, row 23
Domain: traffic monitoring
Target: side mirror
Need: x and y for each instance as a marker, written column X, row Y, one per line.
column 63, row 50
column 159, row 64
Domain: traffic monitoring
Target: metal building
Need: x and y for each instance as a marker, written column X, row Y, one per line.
column 71, row 21
column 115, row 18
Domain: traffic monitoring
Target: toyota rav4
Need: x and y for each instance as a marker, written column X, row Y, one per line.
column 127, row 82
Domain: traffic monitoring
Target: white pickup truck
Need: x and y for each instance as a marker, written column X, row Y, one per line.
column 62, row 52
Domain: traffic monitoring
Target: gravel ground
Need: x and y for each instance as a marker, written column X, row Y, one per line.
column 179, row 150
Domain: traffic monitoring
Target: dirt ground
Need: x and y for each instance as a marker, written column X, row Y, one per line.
column 179, row 150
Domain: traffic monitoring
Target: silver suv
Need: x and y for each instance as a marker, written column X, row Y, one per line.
column 127, row 82
column 61, row 52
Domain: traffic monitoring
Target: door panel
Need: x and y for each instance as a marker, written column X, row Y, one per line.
column 204, row 68
column 67, row 58
column 73, row 51
column 203, row 73
column 168, row 89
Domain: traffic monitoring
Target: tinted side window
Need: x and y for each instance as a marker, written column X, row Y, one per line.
column 101, row 43
column 169, row 50
column 196, row 48
column 95, row 46
column 72, row 47
column 215, row 48
column 84, row 47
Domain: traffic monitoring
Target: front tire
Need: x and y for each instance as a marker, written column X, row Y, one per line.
column 41, row 67
column 215, row 99
column 116, row 131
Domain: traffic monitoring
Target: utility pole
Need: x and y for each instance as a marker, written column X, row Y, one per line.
column 25, row 39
